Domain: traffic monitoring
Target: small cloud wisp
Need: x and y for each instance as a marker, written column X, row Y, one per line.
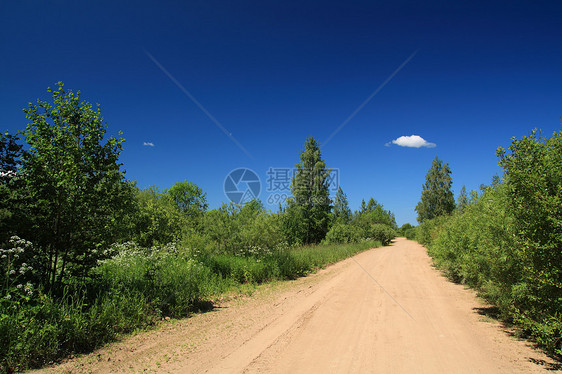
column 148, row 144
column 412, row 141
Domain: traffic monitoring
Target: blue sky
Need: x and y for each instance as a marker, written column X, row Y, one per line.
column 272, row 73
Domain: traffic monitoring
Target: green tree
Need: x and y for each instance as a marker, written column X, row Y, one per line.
column 363, row 207
column 342, row 213
column 436, row 197
column 533, row 174
column 189, row 198
column 343, row 233
column 407, row 230
column 79, row 192
column 10, row 191
column 372, row 205
column 462, row 200
column 157, row 219
column 374, row 213
column 308, row 210
column 10, row 153
column 219, row 227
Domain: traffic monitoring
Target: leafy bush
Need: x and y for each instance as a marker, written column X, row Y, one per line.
column 382, row 233
column 172, row 281
column 235, row 229
column 428, row 231
column 533, row 175
column 475, row 247
column 507, row 242
column 410, row 233
column 343, row 233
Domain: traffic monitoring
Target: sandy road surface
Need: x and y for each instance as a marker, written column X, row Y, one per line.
column 385, row 310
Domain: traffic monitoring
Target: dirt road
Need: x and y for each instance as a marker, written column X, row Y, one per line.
column 385, row 310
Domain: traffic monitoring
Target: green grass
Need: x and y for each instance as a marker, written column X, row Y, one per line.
column 138, row 287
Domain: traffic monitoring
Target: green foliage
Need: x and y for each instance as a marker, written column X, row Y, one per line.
column 381, row 233
column 463, row 200
column 295, row 223
column 341, row 213
column 163, row 217
column 428, row 231
column 157, row 220
column 507, row 241
column 305, row 259
column 83, row 282
column 16, row 287
column 263, row 231
column 52, row 328
column 79, row 192
column 10, row 153
column 371, row 222
column 236, row 229
column 189, row 198
column 373, row 213
column 12, row 202
column 344, row 233
column 436, row 197
column 363, row 206
column 308, row 212
column 533, row 173
column 137, row 287
column 172, row 280
column 533, row 176
column 408, row 231
column 474, row 247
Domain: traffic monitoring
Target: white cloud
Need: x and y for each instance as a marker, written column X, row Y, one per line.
column 412, row 141
column 148, row 144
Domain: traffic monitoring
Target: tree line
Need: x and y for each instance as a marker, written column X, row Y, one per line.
column 79, row 240
column 67, row 193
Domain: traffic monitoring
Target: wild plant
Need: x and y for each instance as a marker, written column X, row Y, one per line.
column 16, row 287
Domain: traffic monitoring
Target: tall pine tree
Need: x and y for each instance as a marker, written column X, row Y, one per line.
column 436, row 198
column 342, row 213
column 308, row 210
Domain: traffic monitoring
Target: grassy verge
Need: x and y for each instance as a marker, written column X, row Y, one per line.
column 135, row 289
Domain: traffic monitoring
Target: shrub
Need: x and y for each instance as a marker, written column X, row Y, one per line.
column 343, row 233
column 382, row 233
column 428, row 231
column 533, row 176
column 507, row 242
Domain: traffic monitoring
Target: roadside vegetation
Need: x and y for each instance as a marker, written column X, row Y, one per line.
column 506, row 240
column 87, row 256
